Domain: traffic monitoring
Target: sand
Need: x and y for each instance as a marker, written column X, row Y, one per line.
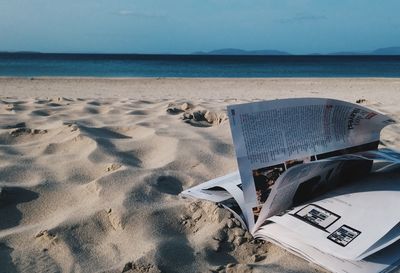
column 91, row 169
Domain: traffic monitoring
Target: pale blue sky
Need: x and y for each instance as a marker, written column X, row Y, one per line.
column 184, row 26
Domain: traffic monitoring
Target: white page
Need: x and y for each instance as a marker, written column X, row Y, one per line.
column 269, row 134
column 392, row 236
column 351, row 219
column 383, row 261
column 231, row 184
column 235, row 190
column 202, row 191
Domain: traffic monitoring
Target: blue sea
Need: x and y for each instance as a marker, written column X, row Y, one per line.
column 136, row 65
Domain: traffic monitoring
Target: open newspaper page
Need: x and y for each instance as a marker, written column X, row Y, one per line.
column 307, row 181
column 382, row 261
column 270, row 137
column 351, row 222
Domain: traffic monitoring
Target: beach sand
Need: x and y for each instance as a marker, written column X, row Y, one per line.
column 91, row 169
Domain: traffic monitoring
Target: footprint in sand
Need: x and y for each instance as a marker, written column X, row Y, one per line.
column 139, row 267
column 113, row 167
column 45, row 234
column 20, row 135
column 204, row 118
column 27, row 131
column 174, row 108
column 115, row 219
column 197, row 118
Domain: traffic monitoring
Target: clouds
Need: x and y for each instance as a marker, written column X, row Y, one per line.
column 302, row 17
column 125, row 12
column 132, row 13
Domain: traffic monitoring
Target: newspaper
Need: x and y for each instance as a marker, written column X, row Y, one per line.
column 308, row 170
column 272, row 136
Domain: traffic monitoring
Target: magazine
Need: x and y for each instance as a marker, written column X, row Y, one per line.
column 312, row 180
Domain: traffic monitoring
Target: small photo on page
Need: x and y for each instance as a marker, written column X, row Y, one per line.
column 317, row 216
column 294, row 162
column 264, row 179
column 344, row 235
column 256, row 212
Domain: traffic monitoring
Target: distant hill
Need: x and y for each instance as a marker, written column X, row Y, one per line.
column 394, row 50
column 348, row 53
column 20, row 52
column 234, row 51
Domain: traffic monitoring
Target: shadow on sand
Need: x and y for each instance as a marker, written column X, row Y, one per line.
column 10, row 197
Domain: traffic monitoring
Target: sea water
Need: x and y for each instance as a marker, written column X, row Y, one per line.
column 136, row 65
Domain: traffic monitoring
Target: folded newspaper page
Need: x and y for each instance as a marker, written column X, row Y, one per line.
column 306, row 181
column 351, row 222
column 225, row 190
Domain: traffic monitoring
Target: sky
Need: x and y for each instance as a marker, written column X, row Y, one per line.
column 185, row 26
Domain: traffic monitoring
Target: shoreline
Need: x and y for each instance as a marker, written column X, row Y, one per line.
column 200, row 88
column 188, row 78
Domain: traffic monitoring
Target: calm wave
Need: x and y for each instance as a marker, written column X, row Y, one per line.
column 134, row 65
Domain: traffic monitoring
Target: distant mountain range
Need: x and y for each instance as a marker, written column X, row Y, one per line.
column 395, row 50
column 20, row 52
column 234, row 51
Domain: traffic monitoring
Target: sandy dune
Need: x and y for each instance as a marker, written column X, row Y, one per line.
column 90, row 171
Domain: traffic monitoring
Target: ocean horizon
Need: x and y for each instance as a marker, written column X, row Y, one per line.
column 207, row 66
